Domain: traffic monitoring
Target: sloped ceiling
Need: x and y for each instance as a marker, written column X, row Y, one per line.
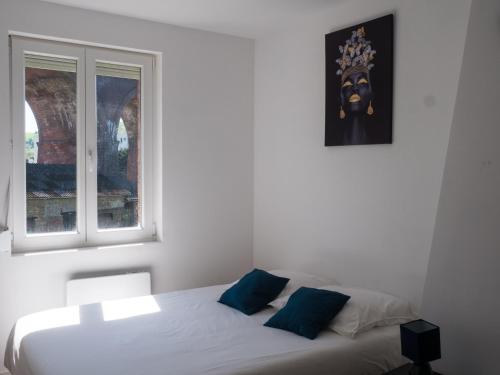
column 247, row 18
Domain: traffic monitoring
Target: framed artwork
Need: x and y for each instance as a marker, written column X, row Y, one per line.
column 359, row 83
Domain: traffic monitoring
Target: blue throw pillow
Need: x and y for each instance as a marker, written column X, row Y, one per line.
column 308, row 311
column 254, row 291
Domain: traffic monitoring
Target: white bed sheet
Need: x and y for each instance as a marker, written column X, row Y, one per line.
column 186, row 332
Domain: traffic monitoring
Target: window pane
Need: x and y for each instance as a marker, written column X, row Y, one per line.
column 50, row 144
column 118, row 142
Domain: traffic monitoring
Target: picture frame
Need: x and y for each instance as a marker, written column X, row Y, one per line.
column 359, row 83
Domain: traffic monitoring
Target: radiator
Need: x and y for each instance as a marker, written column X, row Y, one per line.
column 103, row 288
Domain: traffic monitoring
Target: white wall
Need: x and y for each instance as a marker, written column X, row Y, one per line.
column 364, row 214
column 207, row 161
column 462, row 288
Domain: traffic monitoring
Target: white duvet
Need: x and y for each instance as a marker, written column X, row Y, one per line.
column 183, row 333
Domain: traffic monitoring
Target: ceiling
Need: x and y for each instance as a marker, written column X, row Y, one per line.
column 247, row 18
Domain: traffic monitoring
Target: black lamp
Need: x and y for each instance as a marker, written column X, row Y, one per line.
column 420, row 342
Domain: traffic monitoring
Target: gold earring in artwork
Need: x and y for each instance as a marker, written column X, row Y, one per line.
column 370, row 109
column 342, row 113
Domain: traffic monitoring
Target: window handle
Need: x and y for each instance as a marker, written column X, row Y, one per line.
column 91, row 160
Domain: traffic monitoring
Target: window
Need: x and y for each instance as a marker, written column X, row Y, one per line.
column 82, row 145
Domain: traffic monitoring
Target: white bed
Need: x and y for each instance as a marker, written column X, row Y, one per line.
column 182, row 333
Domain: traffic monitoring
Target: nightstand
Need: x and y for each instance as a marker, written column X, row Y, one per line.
column 404, row 370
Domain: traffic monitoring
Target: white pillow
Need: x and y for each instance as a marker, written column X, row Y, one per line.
column 298, row 279
column 364, row 310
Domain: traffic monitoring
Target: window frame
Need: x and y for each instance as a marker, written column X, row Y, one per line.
column 87, row 233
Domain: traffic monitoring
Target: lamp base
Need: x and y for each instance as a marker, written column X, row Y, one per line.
column 421, row 369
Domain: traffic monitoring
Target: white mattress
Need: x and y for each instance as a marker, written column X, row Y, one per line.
column 182, row 333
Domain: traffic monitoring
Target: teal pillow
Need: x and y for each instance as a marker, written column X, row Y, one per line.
column 254, row 291
column 308, row 311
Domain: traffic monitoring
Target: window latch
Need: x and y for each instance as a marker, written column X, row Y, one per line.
column 91, row 161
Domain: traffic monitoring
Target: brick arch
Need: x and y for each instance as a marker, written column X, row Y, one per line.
column 116, row 98
column 131, row 119
column 52, row 98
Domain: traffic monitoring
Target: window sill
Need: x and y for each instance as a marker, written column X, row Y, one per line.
column 85, row 249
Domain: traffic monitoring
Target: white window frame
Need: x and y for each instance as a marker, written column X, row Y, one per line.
column 87, row 233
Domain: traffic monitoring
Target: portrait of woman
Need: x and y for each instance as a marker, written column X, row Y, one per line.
column 359, row 84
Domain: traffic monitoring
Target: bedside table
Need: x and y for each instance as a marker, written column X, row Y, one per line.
column 404, row 370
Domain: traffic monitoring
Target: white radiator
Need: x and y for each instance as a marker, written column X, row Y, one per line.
column 103, row 288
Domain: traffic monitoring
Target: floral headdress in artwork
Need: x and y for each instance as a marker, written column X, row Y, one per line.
column 356, row 55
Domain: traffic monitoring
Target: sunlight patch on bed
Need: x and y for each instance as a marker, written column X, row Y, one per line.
column 128, row 308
